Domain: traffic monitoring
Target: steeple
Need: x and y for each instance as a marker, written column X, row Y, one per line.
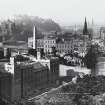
column 85, row 30
column 92, row 22
column 75, row 28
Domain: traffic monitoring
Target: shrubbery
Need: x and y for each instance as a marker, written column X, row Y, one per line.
column 85, row 89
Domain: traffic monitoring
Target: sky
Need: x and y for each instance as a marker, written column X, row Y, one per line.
column 64, row 12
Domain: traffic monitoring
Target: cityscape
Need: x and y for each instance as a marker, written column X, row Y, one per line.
column 45, row 62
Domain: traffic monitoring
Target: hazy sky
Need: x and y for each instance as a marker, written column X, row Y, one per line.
column 64, row 12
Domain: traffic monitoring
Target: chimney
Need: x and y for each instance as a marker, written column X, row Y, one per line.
column 11, row 66
column 38, row 55
column 12, row 60
column 34, row 37
column 5, row 52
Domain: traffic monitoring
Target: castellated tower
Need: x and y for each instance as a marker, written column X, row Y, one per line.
column 9, row 67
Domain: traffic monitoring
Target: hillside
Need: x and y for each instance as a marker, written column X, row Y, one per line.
column 88, row 90
column 44, row 25
column 22, row 26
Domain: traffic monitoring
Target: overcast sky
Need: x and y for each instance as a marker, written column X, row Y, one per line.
column 64, row 12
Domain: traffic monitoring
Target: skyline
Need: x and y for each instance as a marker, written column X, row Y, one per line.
column 65, row 12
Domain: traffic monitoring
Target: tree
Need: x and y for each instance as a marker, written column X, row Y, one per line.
column 42, row 52
column 32, row 52
column 91, row 58
column 1, row 54
column 8, row 53
column 54, row 51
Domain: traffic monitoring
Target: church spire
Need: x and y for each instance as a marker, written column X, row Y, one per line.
column 85, row 30
column 92, row 22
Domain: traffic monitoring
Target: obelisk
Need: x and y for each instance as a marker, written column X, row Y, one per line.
column 34, row 37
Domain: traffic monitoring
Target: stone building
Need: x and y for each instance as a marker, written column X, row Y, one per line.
column 44, row 43
column 64, row 44
column 52, row 63
column 100, row 66
column 64, row 47
column 48, row 44
column 40, row 44
column 22, row 79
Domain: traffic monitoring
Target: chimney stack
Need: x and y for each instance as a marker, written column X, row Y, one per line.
column 12, row 60
column 38, row 55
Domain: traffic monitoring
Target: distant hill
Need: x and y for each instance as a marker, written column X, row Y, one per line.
column 23, row 26
column 44, row 25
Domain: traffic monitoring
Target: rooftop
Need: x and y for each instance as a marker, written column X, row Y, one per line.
column 2, row 67
column 15, row 44
column 101, row 59
column 37, row 66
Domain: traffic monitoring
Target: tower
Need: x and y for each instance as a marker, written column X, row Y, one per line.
column 92, row 22
column 75, row 29
column 85, row 30
column 12, row 63
column 10, row 67
column 34, row 37
column 38, row 55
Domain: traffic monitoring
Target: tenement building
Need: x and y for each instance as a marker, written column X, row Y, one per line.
column 39, row 43
column 22, row 79
column 79, row 44
column 52, row 63
column 45, row 43
column 100, row 66
column 48, row 44
column 65, row 44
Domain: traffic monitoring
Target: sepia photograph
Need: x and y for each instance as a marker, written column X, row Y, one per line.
column 52, row 52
